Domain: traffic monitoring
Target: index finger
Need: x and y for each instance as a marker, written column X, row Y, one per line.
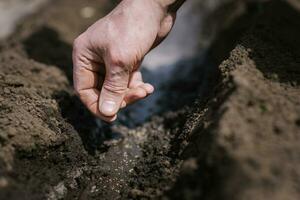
column 87, row 76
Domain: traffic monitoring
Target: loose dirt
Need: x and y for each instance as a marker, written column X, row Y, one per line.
column 234, row 136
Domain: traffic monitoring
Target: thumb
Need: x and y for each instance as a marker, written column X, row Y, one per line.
column 113, row 90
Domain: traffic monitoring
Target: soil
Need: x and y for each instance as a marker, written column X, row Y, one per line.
column 234, row 136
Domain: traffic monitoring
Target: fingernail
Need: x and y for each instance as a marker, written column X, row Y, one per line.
column 108, row 107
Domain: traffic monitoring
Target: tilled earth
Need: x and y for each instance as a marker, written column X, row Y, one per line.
column 237, row 139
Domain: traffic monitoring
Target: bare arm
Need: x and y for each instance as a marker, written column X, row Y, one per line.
column 107, row 56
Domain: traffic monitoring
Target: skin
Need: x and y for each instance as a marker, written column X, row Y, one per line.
column 107, row 56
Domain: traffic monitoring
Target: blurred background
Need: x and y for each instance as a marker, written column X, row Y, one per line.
column 11, row 11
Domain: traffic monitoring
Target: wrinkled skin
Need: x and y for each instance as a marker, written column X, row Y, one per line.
column 108, row 55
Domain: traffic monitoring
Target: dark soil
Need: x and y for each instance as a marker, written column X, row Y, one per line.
column 236, row 139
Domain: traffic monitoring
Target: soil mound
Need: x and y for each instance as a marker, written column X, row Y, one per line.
column 238, row 139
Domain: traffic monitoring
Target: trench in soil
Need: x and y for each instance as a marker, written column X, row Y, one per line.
column 141, row 155
column 122, row 156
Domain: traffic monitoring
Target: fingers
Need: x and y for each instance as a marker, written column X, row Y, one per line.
column 86, row 80
column 148, row 88
column 94, row 108
column 85, row 77
column 105, row 97
column 136, row 79
column 138, row 93
column 137, row 88
column 113, row 90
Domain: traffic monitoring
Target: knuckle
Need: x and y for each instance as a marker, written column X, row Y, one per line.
column 119, row 75
column 120, row 64
column 78, row 42
column 115, row 87
column 117, row 58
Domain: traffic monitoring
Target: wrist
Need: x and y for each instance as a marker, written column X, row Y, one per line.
column 170, row 6
column 165, row 3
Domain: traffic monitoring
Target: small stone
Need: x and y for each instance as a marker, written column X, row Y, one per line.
column 58, row 192
column 189, row 165
column 6, row 91
column 93, row 189
column 135, row 193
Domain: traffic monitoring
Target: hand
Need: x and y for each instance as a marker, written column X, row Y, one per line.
column 108, row 55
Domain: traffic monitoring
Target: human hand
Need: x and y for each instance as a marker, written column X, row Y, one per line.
column 108, row 55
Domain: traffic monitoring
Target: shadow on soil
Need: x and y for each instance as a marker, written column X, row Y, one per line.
column 46, row 47
column 200, row 177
